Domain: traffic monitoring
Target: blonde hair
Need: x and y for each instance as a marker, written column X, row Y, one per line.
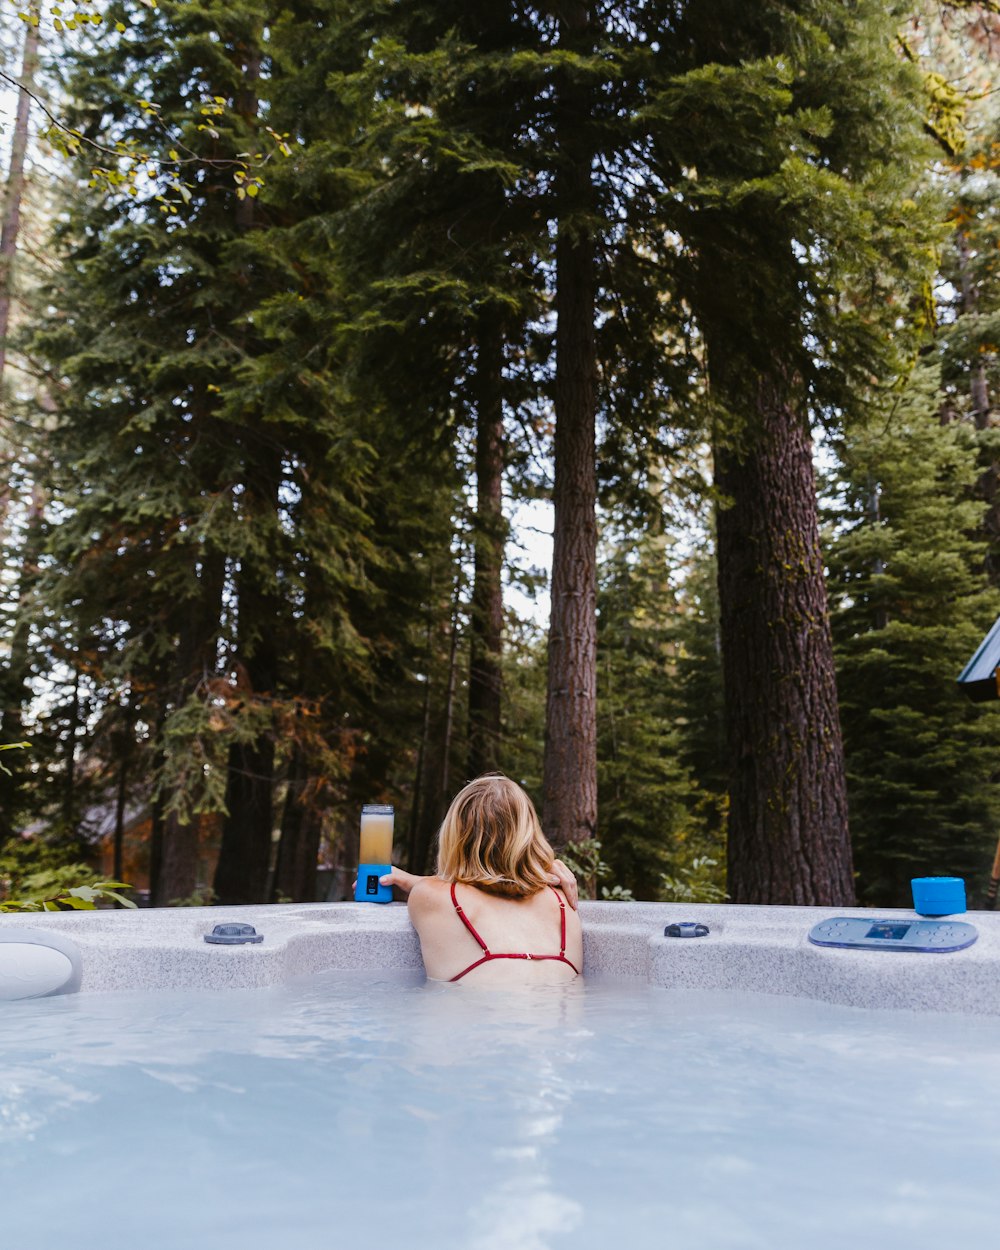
column 491, row 839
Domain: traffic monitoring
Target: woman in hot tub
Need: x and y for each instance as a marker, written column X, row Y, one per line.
column 501, row 909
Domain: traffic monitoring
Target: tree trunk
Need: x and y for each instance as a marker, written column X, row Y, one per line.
column 15, row 184
column 307, row 792
column 788, row 835
column 194, row 657
column 415, row 844
column 241, row 875
column 978, row 388
column 69, row 796
column 485, row 676
column 301, row 830
column 570, row 764
column 436, row 749
column 245, row 853
column 155, row 849
column 988, row 485
column 178, row 875
column 177, row 868
column 444, row 791
column 120, row 801
column 14, row 686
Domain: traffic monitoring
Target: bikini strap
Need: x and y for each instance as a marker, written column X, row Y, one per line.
column 562, row 922
column 467, row 922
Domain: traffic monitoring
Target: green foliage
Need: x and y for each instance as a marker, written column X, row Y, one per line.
column 11, row 746
column 205, row 897
column 910, row 605
column 31, row 864
column 221, row 484
column 790, row 139
column 524, row 662
column 659, row 709
column 157, row 161
column 264, row 389
column 78, row 898
column 36, row 875
column 700, row 881
column 594, row 876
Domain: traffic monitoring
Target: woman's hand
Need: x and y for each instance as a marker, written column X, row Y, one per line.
column 402, row 881
column 563, row 879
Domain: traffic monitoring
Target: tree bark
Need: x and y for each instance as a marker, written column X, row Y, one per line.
column 243, row 868
column 177, row 868
column 416, row 846
column 570, row 763
column 988, row 484
column 788, row 834
column 245, row 854
column 301, row 830
column 241, row 875
column 70, row 802
column 436, row 748
column 155, row 849
column 194, row 658
column 485, row 675
column 15, row 184
column 978, row 387
column 444, row 791
column 14, row 686
column 121, row 798
column 178, row 876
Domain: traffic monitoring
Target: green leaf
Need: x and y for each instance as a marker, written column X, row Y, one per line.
column 87, row 893
column 119, row 898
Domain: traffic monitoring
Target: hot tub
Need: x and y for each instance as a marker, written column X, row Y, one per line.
column 740, row 1090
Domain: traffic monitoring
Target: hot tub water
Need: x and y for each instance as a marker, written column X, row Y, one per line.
column 344, row 1111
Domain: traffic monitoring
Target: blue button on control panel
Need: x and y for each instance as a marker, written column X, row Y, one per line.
column 851, row 932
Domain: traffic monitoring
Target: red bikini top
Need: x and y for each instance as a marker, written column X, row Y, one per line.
column 488, row 954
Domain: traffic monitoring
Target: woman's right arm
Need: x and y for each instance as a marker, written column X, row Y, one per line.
column 403, row 881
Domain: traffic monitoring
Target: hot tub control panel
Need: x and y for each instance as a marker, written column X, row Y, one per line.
column 897, row 934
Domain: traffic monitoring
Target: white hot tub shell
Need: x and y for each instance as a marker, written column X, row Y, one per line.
column 761, row 949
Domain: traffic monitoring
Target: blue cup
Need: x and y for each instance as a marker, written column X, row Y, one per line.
column 938, row 896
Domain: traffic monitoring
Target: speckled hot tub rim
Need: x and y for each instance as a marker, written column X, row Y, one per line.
column 758, row 949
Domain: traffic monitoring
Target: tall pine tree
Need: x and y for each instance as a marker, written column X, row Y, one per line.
column 911, row 603
column 786, row 141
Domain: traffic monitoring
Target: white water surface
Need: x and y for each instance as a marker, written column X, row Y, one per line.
column 368, row 1112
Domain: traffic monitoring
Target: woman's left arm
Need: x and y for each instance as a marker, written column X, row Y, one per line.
column 560, row 877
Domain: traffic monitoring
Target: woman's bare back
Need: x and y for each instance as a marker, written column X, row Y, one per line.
column 523, row 926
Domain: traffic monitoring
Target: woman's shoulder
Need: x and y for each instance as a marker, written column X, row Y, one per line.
column 429, row 894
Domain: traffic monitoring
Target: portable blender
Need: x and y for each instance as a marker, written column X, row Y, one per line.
column 376, row 853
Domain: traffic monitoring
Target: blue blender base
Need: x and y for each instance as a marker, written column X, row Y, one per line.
column 368, row 888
